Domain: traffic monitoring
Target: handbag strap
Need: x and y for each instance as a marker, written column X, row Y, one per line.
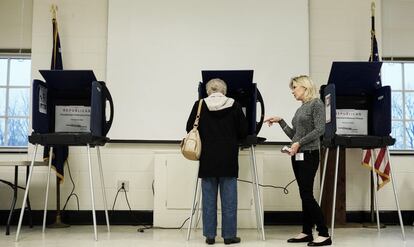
column 195, row 125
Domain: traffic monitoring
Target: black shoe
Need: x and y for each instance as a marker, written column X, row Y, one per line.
column 210, row 240
column 328, row 241
column 308, row 238
column 234, row 240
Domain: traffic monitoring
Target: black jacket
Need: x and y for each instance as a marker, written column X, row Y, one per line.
column 220, row 133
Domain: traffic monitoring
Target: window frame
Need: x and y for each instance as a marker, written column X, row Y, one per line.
column 403, row 91
column 6, row 116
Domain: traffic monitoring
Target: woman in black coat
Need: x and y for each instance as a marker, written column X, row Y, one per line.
column 222, row 125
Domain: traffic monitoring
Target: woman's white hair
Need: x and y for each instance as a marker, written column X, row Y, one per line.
column 306, row 82
column 216, row 85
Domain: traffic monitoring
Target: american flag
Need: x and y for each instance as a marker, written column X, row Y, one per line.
column 382, row 164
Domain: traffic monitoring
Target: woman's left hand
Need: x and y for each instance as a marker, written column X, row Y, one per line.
column 294, row 148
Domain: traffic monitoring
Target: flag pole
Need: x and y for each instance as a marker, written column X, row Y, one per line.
column 58, row 219
column 372, row 30
column 372, row 223
column 53, row 10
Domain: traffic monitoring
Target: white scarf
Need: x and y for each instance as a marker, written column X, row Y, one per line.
column 218, row 101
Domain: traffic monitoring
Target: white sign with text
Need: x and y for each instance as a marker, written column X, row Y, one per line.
column 351, row 122
column 72, row 118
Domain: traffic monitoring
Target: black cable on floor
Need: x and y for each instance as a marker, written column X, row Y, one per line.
column 130, row 209
column 173, row 228
column 285, row 190
column 73, row 189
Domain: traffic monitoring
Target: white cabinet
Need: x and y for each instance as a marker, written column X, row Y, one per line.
column 175, row 179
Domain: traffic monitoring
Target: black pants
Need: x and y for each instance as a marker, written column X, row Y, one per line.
column 305, row 171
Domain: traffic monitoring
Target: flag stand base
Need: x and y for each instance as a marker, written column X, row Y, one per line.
column 373, row 225
column 378, row 225
column 58, row 223
column 58, row 220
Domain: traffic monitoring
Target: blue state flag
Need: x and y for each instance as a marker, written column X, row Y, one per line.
column 60, row 153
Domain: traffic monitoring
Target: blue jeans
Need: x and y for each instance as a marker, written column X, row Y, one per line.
column 228, row 196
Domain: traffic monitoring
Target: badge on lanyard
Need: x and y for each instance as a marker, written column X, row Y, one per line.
column 299, row 157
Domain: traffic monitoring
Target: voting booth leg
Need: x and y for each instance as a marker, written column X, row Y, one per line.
column 103, row 187
column 323, row 174
column 13, row 204
column 197, row 213
column 334, row 193
column 396, row 197
column 26, row 192
column 29, row 208
column 92, row 192
column 256, row 194
column 190, row 224
column 47, row 188
column 374, row 179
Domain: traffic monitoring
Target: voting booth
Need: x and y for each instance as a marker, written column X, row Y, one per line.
column 241, row 88
column 358, row 108
column 358, row 115
column 69, row 108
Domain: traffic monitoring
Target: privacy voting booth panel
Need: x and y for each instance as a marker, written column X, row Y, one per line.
column 240, row 87
column 157, row 50
column 354, row 87
column 69, row 108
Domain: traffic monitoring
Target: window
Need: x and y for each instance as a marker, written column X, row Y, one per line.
column 400, row 76
column 14, row 100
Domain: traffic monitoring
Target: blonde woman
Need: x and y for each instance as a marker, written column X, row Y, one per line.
column 308, row 125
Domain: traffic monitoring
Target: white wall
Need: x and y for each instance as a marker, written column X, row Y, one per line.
column 398, row 28
column 168, row 49
column 16, row 24
column 339, row 30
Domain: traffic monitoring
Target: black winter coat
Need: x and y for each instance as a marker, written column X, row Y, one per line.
column 220, row 133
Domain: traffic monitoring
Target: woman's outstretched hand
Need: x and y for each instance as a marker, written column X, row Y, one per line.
column 271, row 120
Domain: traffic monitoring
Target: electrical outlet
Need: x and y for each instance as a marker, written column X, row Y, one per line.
column 125, row 183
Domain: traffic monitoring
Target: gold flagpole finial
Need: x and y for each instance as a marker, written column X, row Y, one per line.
column 373, row 8
column 53, row 10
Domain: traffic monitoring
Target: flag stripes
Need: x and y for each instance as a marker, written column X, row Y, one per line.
column 381, row 164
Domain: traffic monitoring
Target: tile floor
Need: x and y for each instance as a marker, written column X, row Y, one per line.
column 127, row 236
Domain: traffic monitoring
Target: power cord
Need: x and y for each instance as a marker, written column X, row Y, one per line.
column 73, row 189
column 285, row 190
column 122, row 188
column 173, row 228
column 142, row 229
